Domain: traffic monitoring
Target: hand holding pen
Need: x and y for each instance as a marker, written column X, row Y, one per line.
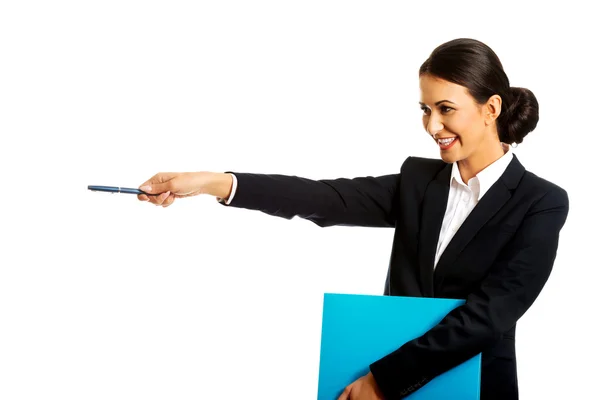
column 163, row 188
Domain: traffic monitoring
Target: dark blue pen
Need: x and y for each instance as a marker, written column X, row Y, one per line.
column 116, row 189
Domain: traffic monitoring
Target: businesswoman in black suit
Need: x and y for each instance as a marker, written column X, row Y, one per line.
column 474, row 225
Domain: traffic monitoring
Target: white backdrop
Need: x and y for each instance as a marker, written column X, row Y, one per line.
column 105, row 297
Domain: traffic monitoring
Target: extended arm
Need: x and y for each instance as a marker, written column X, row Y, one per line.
column 363, row 201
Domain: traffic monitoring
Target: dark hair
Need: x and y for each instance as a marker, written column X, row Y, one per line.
column 474, row 65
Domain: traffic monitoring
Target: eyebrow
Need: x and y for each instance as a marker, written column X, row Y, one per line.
column 439, row 102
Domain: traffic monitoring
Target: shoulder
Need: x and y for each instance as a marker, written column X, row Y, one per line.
column 420, row 167
column 546, row 193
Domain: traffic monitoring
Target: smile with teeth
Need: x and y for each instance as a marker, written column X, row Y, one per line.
column 446, row 142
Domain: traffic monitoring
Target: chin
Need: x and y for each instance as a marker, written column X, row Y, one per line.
column 453, row 153
column 448, row 157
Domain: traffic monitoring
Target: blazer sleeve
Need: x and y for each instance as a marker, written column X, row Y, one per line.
column 514, row 282
column 364, row 201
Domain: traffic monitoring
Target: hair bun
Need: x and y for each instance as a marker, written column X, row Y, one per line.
column 522, row 115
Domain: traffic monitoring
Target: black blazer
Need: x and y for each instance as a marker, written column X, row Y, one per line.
column 498, row 261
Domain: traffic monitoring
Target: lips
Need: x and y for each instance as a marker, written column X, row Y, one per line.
column 446, row 143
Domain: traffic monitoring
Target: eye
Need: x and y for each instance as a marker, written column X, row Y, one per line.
column 443, row 109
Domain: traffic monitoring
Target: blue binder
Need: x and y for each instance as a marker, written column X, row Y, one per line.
column 360, row 329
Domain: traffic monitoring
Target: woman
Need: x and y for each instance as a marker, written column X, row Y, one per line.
column 474, row 225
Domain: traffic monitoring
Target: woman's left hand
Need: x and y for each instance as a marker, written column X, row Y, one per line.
column 364, row 388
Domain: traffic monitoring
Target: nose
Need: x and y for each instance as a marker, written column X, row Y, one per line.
column 434, row 125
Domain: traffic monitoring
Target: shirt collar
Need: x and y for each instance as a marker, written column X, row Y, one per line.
column 489, row 175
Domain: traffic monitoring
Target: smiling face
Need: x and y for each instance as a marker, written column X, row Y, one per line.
column 462, row 129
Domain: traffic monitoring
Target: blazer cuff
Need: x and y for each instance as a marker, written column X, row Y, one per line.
column 397, row 382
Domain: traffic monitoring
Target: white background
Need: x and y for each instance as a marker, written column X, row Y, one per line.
column 106, row 297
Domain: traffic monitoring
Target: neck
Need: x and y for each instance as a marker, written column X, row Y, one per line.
column 477, row 162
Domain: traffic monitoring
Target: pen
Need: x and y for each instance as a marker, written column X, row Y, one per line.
column 116, row 189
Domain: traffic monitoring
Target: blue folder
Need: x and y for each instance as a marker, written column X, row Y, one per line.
column 358, row 330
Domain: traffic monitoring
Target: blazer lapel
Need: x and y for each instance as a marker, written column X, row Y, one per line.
column 487, row 207
column 434, row 207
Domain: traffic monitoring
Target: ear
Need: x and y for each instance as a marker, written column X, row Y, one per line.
column 492, row 109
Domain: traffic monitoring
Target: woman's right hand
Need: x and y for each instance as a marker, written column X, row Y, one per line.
column 165, row 187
